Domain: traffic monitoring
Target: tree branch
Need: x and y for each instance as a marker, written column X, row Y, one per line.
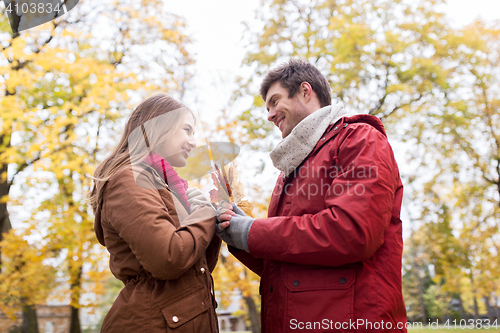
column 47, row 41
column 383, row 117
column 489, row 112
column 381, row 101
column 498, row 180
column 24, row 166
column 489, row 180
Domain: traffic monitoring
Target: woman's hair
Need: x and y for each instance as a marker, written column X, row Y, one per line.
column 152, row 122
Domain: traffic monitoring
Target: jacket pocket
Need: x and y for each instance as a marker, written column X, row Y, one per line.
column 189, row 314
column 320, row 299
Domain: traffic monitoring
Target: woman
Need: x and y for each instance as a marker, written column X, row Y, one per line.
column 159, row 233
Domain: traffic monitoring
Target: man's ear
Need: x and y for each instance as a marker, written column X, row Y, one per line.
column 306, row 91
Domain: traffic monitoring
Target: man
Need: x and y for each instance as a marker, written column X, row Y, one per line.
column 329, row 253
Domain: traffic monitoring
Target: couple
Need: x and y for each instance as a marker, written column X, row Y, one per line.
column 329, row 253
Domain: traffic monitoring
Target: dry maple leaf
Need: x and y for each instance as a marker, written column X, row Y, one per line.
column 228, row 185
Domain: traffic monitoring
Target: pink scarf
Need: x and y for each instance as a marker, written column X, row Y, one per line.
column 175, row 183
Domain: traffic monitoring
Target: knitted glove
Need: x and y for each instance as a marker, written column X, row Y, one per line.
column 236, row 235
column 196, row 198
column 237, row 210
column 224, row 235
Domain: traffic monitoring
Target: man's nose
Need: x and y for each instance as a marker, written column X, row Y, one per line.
column 271, row 116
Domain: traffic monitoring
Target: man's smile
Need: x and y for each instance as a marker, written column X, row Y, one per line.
column 279, row 122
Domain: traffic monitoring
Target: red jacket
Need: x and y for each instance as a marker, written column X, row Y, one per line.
column 329, row 254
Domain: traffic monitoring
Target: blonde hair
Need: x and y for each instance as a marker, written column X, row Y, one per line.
column 152, row 122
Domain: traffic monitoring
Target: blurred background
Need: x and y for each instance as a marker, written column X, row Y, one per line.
column 429, row 69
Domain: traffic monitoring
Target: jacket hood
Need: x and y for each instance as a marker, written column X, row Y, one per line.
column 368, row 119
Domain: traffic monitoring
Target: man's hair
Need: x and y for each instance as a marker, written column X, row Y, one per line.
column 291, row 74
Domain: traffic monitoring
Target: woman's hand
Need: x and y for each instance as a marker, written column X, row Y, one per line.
column 224, row 214
column 196, row 198
column 237, row 235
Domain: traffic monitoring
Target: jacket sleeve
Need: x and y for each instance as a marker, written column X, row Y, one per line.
column 212, row 252
column 141, row 219
column 256, row 265
column 358, row 209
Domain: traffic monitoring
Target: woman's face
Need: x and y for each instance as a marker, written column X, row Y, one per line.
column 176, row 150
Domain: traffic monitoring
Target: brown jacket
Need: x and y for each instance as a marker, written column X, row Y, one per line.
column 163, row 255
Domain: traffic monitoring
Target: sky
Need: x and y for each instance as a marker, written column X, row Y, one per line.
column 217, row 30
column 218, row 48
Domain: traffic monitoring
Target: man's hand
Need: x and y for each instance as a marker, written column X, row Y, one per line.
column 236, row 232
column 238, row 211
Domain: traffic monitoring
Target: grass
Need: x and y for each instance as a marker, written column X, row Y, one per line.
column 451, row 327
column 439, row 330
column 448, row 330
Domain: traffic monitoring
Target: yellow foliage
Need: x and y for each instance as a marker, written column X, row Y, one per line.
column 26, row 280
column 433, row 86
column 60, row 107
column 230, row 276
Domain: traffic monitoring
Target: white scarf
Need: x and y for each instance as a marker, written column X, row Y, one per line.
column 293, row 149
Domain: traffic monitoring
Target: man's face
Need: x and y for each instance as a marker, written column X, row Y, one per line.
column 285, row 112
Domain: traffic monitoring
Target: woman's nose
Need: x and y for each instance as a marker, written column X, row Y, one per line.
column 192, row 142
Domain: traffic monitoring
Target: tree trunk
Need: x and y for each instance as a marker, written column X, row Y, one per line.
column 253, row 314
column 496, row 308
column 476, row 309
column 423, row 312
column 4, row 213
column 491, row 311
column 474, row 298
column 14, row 19
column 463, row 314
column 75, row 321
column 30, row 322
column 75, row 299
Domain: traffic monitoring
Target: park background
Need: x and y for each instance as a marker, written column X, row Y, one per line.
column 429, row 70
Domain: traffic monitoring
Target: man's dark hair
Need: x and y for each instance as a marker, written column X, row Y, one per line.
column 292, row 74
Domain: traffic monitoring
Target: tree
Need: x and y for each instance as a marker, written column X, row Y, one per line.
column 380, row 57
column 26, row 279
column 231, row 276
column 416, row 277
column 434, row 87
column 459, row 146
column 65, row 90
